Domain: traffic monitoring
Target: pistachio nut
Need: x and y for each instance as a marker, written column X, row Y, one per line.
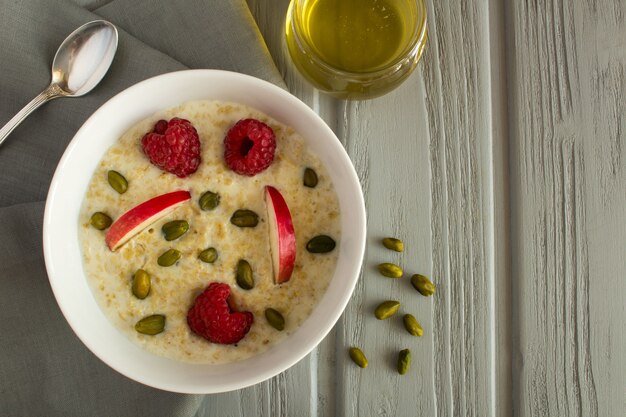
column 244, row 276
column 275, row 319
column 404, row 361
column 386, row 309
column 169, row 257
column 174, row 229
column 208, row 255
column 141, row 284
column 358, row 357
column 244, row 218
column 390, row 270
column 309, row 179
column 209, row 201
column 151, row 325
column 393, row 244
column 320, row 244
column 117, row 181
column 423, row 285
column 100, row 221
column 412, row 325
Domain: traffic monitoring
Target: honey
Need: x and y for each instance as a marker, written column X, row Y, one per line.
column 355, row 47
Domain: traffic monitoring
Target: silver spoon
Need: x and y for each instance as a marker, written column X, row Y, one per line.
column 78, row 66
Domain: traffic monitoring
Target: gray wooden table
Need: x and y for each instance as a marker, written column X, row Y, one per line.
column 501, row 163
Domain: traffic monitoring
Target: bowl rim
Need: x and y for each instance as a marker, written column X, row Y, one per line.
column 353, row 268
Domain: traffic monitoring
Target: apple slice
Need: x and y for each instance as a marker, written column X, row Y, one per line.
column 142, row 216
column 282, row 235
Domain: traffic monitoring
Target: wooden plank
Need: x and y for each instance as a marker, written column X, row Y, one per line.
column 567, row 79
column 461, row 145
column 500, row 262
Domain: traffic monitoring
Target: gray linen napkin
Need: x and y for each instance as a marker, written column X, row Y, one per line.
column 44, row 369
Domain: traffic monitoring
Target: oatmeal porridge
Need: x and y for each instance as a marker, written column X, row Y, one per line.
column 315, row 216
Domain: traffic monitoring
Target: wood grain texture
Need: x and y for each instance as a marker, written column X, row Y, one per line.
column 500, row 262
column 568, row 192
column 459, row 107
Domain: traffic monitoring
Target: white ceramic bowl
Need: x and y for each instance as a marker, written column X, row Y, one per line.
column 63, row 256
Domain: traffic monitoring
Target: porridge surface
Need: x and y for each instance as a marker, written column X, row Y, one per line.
column 314, row 211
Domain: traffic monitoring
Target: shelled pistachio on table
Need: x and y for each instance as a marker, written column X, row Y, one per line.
column 412, row 325
column 423, row 285
column 386, row 309
column 404, row 361
column 390, row 270
column 389, row 308
column 393, row 244
column 358, row 357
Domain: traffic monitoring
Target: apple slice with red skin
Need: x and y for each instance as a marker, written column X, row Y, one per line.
column 282, row 235
column 142, row 216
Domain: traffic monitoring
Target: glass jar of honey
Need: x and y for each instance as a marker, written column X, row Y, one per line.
column 356, row 49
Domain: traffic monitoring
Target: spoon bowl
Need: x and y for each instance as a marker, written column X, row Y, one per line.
column 84, row 57
column 79, row 65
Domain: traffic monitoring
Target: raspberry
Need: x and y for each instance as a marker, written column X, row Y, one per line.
column 212, row 317
column 173, row 146
column 249, row 147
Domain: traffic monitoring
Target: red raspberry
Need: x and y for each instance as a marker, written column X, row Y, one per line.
column 249, row 147
column 173, row 146
column 212, row 317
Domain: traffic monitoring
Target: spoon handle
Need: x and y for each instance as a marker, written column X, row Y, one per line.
column 53, row 91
